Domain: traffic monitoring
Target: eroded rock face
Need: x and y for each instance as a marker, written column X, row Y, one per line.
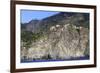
column 67, row 42
column 63, row 42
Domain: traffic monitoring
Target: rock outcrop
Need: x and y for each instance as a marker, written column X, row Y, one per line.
column 62, row 36
column 63, row 42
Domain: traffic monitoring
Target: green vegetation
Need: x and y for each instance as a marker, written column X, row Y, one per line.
column 86, row 52
column 28, row 37
column 86, row 24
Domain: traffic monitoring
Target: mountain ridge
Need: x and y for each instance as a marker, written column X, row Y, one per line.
column 59, row 18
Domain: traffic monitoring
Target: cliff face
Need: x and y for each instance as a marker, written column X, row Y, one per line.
column 61, row 41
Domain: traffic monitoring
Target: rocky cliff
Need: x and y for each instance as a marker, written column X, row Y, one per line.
column 65, row 38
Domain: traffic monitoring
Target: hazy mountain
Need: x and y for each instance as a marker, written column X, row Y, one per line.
column 78, row 19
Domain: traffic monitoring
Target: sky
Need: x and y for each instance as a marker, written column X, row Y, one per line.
column 28, row 15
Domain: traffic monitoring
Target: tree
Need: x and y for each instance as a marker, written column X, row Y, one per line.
column 27, row 38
